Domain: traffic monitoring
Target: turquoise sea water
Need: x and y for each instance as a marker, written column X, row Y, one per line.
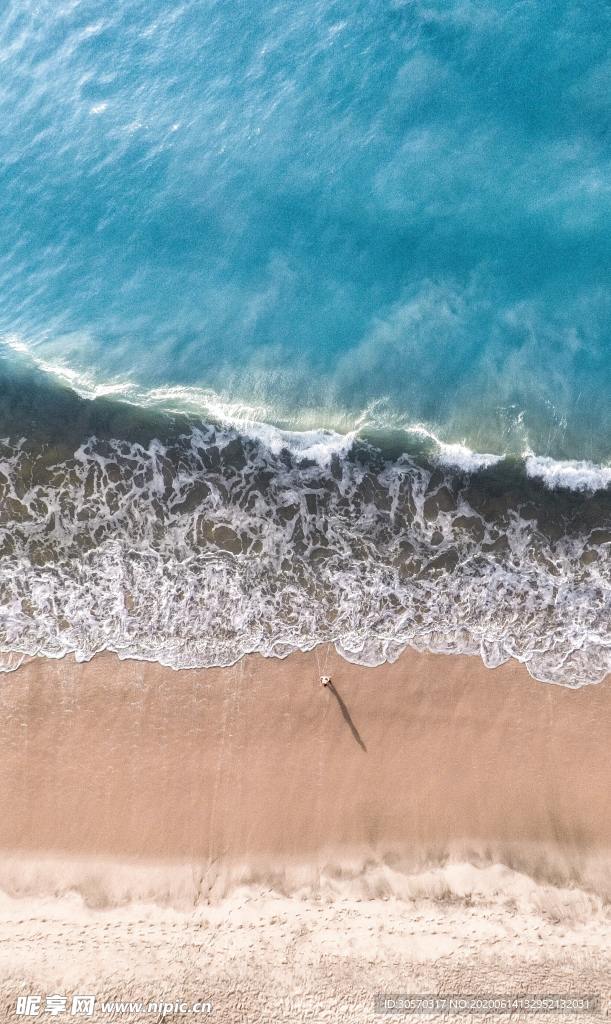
column 382, row 226
column 400, row 209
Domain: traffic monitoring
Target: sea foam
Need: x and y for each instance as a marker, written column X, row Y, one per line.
column 212, row 544
column 574, row 474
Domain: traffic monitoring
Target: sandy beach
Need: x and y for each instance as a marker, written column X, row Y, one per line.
column 430, row 816
column 259, row 765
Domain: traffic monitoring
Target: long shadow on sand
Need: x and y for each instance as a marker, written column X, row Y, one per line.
column 346, row 715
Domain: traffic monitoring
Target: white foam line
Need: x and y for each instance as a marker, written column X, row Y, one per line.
column 576, row 475
column 457, row 455
column 318, row 444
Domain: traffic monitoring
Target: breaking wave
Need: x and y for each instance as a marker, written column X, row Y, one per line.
column 199, row 547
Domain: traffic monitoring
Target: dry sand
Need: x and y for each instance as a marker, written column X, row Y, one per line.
column 288, row 849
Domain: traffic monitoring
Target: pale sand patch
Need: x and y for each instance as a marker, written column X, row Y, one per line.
column 262, row 957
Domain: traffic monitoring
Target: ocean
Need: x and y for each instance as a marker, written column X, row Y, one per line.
column 305, row 330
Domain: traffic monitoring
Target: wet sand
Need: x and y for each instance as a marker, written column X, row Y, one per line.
column 260, row 765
